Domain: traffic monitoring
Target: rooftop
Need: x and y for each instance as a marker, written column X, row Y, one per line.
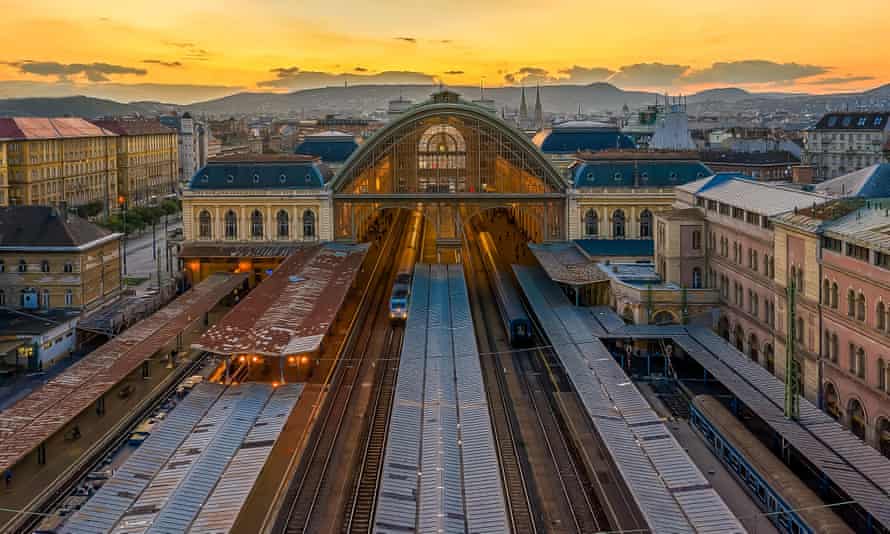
column 854, row 121
column 595, row 248
column 569, row 139
column 134, row 126
column 28, row 128
column 872, row 181
column 45, row 226
column 681, row 214
column 33, row 322
column 730, row 157
column 637, row 168
column 330, row 146
column 289, row 312
column 265, row 171
column 564, row 263
column 763, row 198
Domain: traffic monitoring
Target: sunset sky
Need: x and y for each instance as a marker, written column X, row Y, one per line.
column 181, row 50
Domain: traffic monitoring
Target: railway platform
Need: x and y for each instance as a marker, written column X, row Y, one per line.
column 671, row 493
column 195, row 472
column 854, row 470
column 441, row 470
column 48, row 434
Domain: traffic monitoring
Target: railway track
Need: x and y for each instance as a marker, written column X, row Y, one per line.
column 585, row 510
column 308, row 483
column 514, row 467
column 53, row 497
column 364, row 491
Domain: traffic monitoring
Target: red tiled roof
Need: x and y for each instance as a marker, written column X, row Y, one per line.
column 291, row 311
column 46, row 410
column 28, row 128
column 134, row 126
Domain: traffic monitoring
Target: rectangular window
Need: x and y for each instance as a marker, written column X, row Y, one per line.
column 835, row 245
column 855, row 251
column 882, row 260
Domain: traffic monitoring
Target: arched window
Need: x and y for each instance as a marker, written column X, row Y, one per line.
column 860, row 307
column 256, row 224
column 591, row 223
column 44, row 266
column 857, row 418
column 618, row 221
column 2, row 298
column 851, row 303
column 44, row 298
column 2, row 266
column 283, row 224
column 231, row 225
column 696, row 278
column 23, row 266
column 826, row 293
column 646, row 224
column 69, row 297
column 308, row 224
column 204, row 225
column 69, row 267
column 835, row 348
column 881, row 319
column 834, row 295
column 882, row 374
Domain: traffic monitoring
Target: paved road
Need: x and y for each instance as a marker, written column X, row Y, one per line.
column 140, row 262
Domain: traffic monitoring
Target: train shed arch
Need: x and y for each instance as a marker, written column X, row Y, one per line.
column 453, row 159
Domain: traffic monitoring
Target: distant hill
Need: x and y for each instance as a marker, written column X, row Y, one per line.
column 565, row 99
column 556, row 98
column 724, row 94
column 75, row 106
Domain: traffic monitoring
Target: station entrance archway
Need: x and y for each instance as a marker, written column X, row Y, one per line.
column 451, row 159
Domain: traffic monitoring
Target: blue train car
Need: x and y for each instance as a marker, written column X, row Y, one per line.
column 515, row 319
column 401, row 289
column 792, row 506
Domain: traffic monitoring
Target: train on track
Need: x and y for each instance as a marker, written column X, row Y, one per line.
column 401, row 289
column 516, row 322
column 792, row 506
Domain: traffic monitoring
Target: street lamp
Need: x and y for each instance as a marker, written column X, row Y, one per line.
column 122, row 201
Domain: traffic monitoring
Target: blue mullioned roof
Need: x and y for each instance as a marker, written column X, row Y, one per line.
column 329, row 150
column 570, row 141
column 658, row 173
column 261, row 175
column 617, row 247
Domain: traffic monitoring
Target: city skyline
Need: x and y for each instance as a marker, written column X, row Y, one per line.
column 193, row 53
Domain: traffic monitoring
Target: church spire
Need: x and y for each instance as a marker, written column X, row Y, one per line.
column 539, row 112
column 523, row 110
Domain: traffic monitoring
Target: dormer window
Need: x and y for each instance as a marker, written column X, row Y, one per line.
column 846, row 122
column 861, row 122
column 205, row 178
column 700, row 175
column 308, row 178
column 832, row 121
column 878, row 121
column 673, row 176
column 230, row 178
column 256, row 178
column 590, row 176
column 282, row 178
column 617, row 176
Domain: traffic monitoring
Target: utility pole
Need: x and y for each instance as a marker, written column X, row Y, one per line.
column 122, row 200
column 792, row 368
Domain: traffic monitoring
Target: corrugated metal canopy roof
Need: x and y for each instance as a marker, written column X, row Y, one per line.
column 289, row 312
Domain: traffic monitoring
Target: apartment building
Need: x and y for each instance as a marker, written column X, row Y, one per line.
column 844, row 142
column 54, row 160
column 147, row 158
